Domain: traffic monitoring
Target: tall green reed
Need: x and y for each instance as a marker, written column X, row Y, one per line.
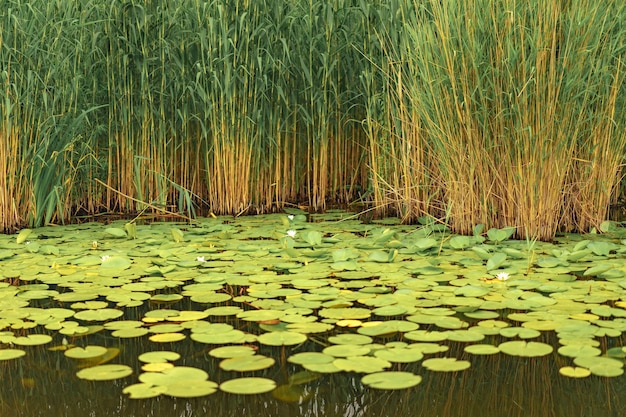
column 507, row 96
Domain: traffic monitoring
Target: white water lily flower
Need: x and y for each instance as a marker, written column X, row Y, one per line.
column 291, row 233
column 503, row 276
column 291, row 217
column 105, row 257
column 200, row 259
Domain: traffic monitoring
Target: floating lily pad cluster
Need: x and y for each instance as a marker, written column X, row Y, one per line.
column 373, row 297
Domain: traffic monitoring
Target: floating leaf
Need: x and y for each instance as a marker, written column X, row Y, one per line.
column 143, row 390
column 8, row 354
column 526, row 349
column 361, row 364
column 248, row 385
column 282, row 338
column 191, row 389
column 105, row 372
column 574, row 372
column 445, row 364
column 391, row 380
column 115, row 232
column 247, row 363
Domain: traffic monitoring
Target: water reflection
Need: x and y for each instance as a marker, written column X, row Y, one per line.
column 43, row 383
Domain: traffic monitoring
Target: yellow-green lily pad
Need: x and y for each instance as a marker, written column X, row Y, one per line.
column 105, row 372
column 391, row 380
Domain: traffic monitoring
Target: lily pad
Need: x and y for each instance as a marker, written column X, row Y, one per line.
column 249, row 385
column 105, row 372
column 574, row 371
column 526, row 349
column 8, row 354
column 247, row 363
column 445, row 364
column 282, row 338
column 362, row 364
column 391, row 380
column 191, row 389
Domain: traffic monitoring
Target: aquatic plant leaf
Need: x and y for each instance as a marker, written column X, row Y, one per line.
column 131, row 230
column 526, row 349
column 289, row 393
column 362, row 364
column 445, row 364
column 282, row 338
column 177, row 235
column 174, row 375
column 105, row 372
column 226, row 352
column 167, row 337
column 346, row 350
column 350, row 339
column 460, row 242
column 495, row 261
column 399, row 355
column 32, row 340
column 247, row 363
column 191, row 389
column 86, row 352
column 481, row 349
column 251, row 385
column 23, row 235
column 99, row 315
column 159, row 356
column 391, row 380
column 142, row 390
column 500, row 235
column 574, row 372
column 8, row 354
column 576, row 351
column 115, row 232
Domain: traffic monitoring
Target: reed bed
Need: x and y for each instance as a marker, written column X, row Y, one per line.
column 495, row 112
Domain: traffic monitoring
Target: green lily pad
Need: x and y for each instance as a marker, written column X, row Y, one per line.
column 32, row 340
column 310, row 358
column 167, row 337
column 115, row 232
column 481, row 349
column 142, row 390
column 576, row 351
column 362, row 364
column 399, row 355
column 341, row 351
column 103, row 314
column 105, row 372
column 526, row 349
column 350, row 339
column 445, row 364
column 247, row 363
column 191, row 389
column 86, row 352
column 282, row 338
column 574, row 372
column 8, row 354
column 225, row 352
column 391, row 380
column 249, row 385
column 159, row 356
column 176, row 375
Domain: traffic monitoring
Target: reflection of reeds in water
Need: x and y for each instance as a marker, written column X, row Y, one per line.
column 495, row 385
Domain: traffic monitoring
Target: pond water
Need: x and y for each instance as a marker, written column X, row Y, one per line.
column 299, row 315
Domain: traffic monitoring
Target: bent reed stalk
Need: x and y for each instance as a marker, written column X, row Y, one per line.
column 495, row 112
